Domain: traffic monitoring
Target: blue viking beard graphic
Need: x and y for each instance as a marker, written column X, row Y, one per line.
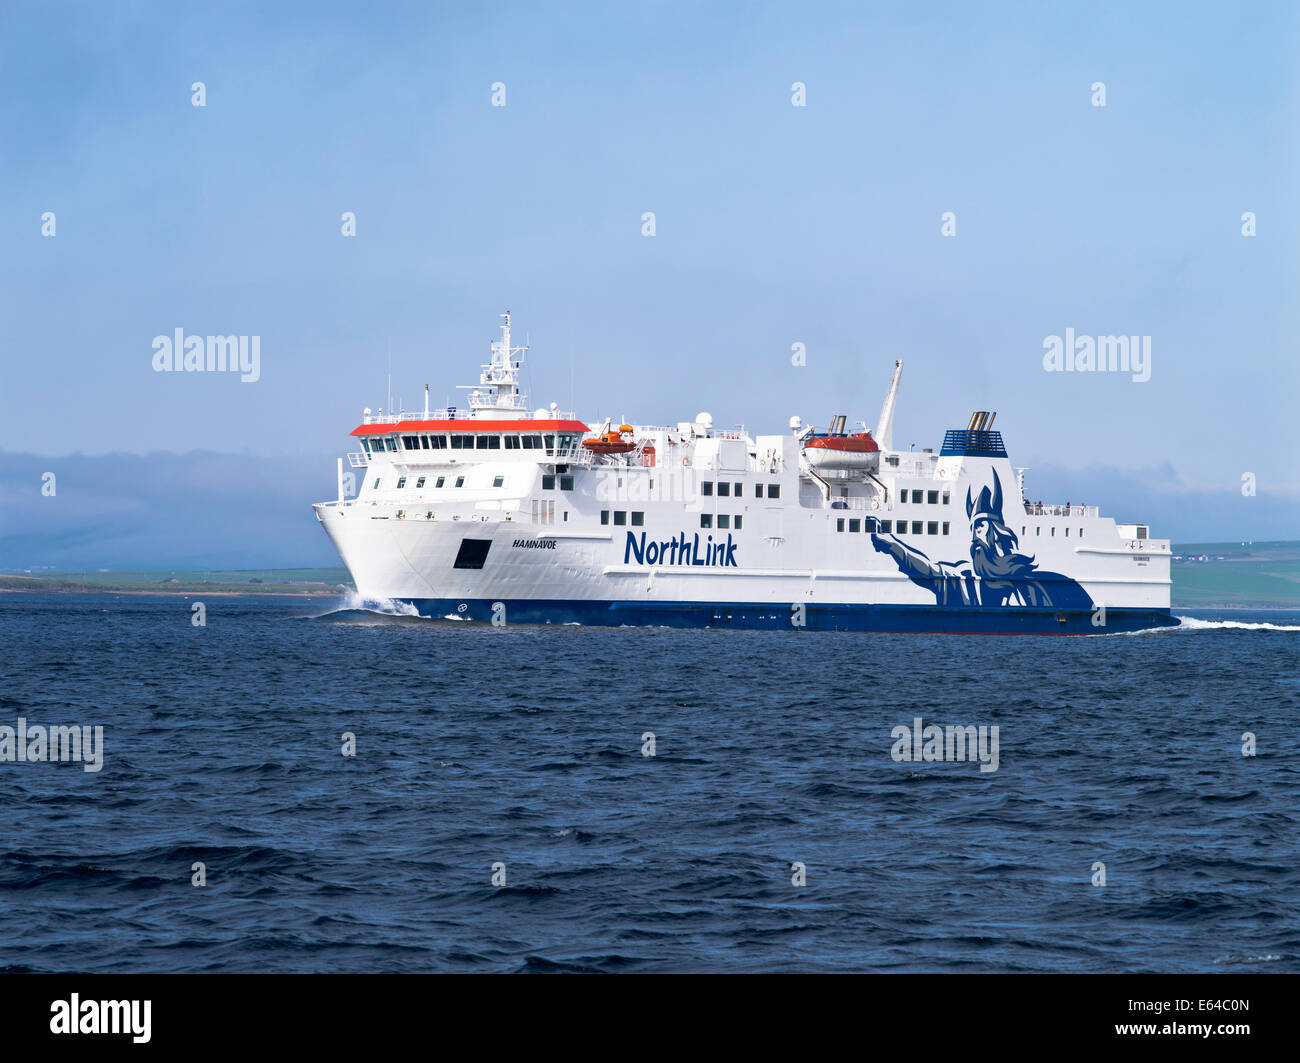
column 993, row 552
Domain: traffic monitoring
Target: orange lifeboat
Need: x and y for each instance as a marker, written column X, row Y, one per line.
column 842, row 452
column 610, row 442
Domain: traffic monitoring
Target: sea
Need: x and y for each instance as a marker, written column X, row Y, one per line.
column 326, row 785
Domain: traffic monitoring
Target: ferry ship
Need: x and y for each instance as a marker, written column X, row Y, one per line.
column 496, row 513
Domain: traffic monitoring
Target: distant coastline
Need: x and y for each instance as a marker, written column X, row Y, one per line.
column 278, row 583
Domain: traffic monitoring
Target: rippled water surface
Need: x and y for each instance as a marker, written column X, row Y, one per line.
column 523, row 745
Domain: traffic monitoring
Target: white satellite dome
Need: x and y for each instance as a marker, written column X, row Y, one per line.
column 541, row 414
column 796, row 423
column 704, row 420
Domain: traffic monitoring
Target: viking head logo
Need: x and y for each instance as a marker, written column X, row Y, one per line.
column 993, row 545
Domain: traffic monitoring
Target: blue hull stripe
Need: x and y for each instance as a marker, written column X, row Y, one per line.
column 753, row 615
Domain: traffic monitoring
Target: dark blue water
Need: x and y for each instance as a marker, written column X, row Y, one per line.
column 523, row 745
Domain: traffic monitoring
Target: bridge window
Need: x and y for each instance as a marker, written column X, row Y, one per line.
column 401, row 482
column 566, row 483
column 375, row 485
column 932, row 528
column 462, row 442
column 497, row 481
column 706, row 520
column 932, row 497
column 706, row 488
column 946, row 497
column 549, row 441
column 424, row 442
column 724, row 521
column 460, row 481
column 638, row 518
column 391, row 444
column 855, row 525
column 440, row 481
column 738, row 522
column 419, row 483
column 758, row 490
column 410, row 442
column 512, row 442
column 620, row 516
column 773, row 490
column 529, row 442
column 438, row 442
column 604, row 516
column 724, row 489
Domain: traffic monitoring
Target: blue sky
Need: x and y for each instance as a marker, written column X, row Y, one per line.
column 775, row 225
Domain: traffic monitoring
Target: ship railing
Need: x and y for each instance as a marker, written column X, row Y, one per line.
column 1038, row 509
column 459, row 413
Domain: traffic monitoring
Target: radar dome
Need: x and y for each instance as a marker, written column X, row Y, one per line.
column 796, row 423
column 704, row 420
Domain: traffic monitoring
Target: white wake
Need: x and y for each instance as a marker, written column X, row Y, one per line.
column 1192, row 623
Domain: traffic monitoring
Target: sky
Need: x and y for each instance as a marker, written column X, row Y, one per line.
column 775, row 225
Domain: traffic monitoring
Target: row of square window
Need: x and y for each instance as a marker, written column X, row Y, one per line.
column 918, row 496
column 725, row 521
column 548, row 482
column 737, row 490
column 620, row 517
column 899, row 527
column 896, row 527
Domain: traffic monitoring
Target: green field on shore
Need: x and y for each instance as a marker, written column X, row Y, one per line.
column 1237, row 575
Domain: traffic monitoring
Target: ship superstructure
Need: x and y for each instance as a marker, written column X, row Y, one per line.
column 499, row 514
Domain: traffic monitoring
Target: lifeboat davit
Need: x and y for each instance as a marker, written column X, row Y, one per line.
column 611, row 442
column 842, row 452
